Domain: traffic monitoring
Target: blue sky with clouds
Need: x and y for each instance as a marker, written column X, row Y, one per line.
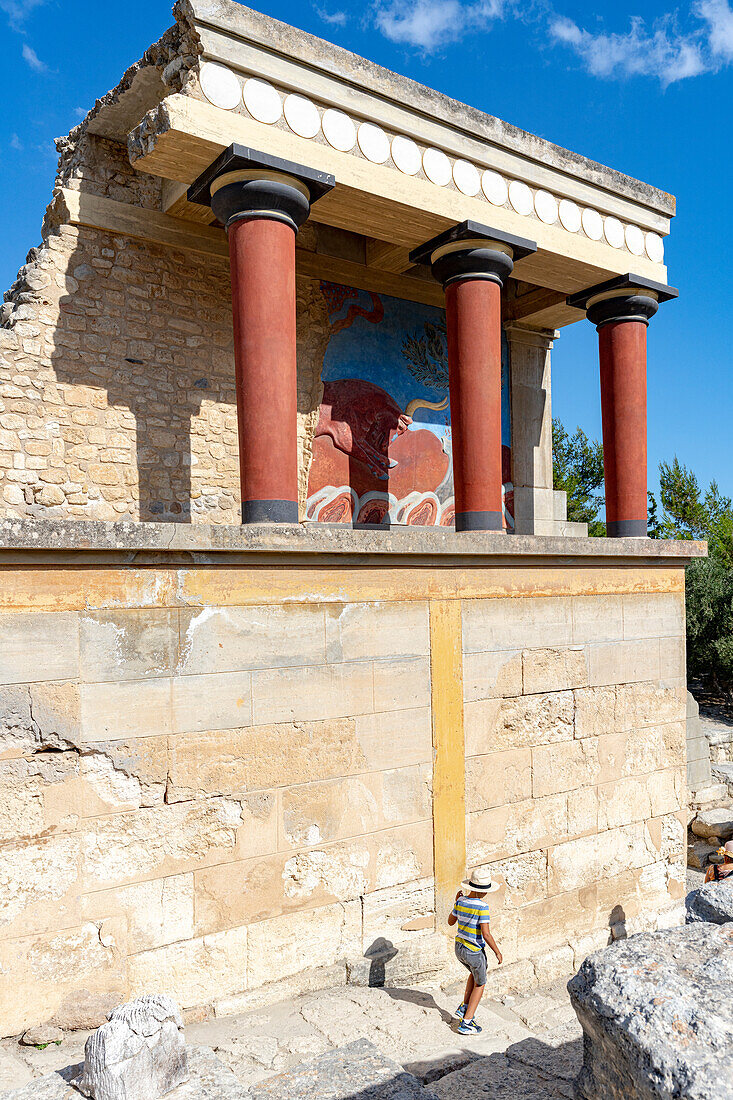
column 644, row 87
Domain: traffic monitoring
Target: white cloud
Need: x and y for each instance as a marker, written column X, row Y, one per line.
column 81, row 112
column 430, row 24
column 16, row 143
column 660, row 53
column 30, row 55
column 18, row 10
column 335, row 18
column 719, row 17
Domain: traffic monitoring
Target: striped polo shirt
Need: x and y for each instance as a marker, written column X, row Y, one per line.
column 471, row 912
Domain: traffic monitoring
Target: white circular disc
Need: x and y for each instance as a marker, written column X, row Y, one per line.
column 339, row 130
column 406, row 155
column 262, row 101
column 373, row 142
column 592, row 224
column 655, row 248
column 220, row 86
column 614, row 232
column 570, row 215
column 436, row 166
column 520, row 197
column 301, row 116
column 494, row 187
column 634, row 240
column 546, row 206
column 466, row 177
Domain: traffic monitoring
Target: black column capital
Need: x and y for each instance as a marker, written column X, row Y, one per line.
column 624, row 298
column 471, row 250
column 243, row 183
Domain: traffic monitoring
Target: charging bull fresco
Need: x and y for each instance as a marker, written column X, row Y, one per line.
column 382, row 445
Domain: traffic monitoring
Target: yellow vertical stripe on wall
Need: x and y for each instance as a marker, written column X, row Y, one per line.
column 449, row 767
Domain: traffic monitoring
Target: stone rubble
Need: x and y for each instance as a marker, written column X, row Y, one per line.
column 712, row 903
column 714, row 823
column 139, row 1054
column 658, row 1017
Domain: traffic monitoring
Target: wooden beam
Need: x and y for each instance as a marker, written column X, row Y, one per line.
column 81, row 208
column 387, row 256
column 184, row 135
column 173, row 201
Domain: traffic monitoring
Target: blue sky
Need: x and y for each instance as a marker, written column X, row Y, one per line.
column 644, row 87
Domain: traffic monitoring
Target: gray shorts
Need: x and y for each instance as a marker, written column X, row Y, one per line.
column 475, row 961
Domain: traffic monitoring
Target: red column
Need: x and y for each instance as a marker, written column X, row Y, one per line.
column 473, row 315
column 262, row 259
column 622, row 346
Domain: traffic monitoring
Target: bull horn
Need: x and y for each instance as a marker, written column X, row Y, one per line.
column 418, row 403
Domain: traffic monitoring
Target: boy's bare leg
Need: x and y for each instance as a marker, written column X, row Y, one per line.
column 469, row 989
column 476, row 994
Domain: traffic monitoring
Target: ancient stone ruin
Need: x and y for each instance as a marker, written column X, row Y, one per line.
column 139, row 1054
column 657, row 1014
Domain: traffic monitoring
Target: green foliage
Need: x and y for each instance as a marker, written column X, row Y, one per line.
column 690, row 514
column 578, row 470
column 427, row 355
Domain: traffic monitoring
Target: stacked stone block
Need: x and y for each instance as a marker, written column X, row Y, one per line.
column 217, row 783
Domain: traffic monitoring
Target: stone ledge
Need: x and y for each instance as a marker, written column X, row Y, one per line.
column 85, row 536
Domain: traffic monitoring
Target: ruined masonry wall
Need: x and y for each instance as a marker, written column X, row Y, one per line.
column 217, row 781
column 117, row 373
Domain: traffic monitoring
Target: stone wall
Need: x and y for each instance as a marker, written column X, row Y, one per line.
column 117, row 372
column 216, row 782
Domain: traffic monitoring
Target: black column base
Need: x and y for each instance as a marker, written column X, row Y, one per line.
column 479, row 521
column 269, row 511
column 626, row 529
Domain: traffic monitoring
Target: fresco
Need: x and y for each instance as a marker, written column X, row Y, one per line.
column 382, row 446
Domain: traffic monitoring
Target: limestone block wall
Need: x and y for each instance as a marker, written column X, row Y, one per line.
column 217, row 777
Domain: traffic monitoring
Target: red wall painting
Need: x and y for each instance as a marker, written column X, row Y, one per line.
column 382, row 446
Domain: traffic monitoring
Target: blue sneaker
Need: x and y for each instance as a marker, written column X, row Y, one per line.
column 469, row 1027
column 460, row 1012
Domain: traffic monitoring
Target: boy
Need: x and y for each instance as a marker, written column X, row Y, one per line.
column 471, row 914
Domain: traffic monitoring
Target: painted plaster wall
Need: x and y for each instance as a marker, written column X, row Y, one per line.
column 218, row 781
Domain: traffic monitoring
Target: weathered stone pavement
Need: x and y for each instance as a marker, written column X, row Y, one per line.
column 530, row 1048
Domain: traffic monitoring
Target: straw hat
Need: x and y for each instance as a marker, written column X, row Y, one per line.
column 480, row 881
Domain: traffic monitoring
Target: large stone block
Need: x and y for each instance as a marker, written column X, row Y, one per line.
column 424, row 957
column 128, row 645
column 130, row 708
column 672, row 658
column 402, row 684
column 481, row 727
column 498, row 778
column 315, row 813
column 38, row 716
column 586, row 860
column 524, row 878
column 117, row 775
column 157, row 912
column 623, row 662
column 713, row 903
column 595, row 711
column 657, row 1017
column 394, row 739
column 513, row 623
column 564, row 766
column 523, row 827
column 582, row 811
column 40, row 795
column 73, row 977
column 39, row 884
column 654, row 614
column 492, row 675
column 284, row 946
column 159, row 841
column 195, row 972
column 261, row 757
column 597, row 619
column 546, row 670
column 38, row 645
column 233, row 639
column 398, row 913
column 650, row 703
column 314, row 693
column 535, row 720
column 639, row 798
column 219, row 701
column 360, row 631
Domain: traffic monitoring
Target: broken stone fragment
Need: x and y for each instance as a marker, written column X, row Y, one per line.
column 717, row 823
column 41, row 1036
column 657, row 1016
column 713, row 902
column 139, row 1054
